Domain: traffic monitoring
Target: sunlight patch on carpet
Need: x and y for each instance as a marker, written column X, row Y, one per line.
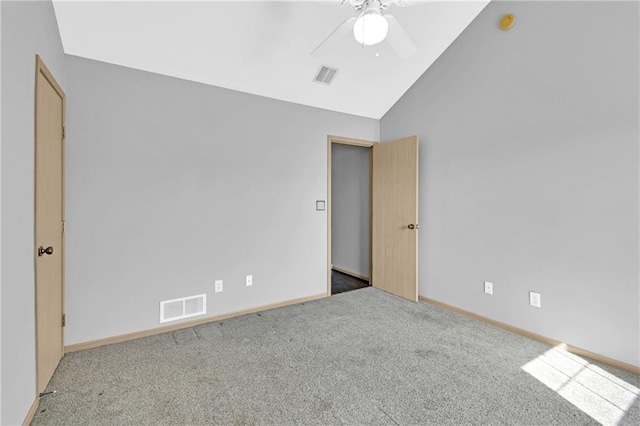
column 601, row 395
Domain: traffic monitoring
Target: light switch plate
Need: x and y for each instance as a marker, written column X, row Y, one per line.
column 320, row 205
column 218, row 286
column 488, row 287
column 249, row 280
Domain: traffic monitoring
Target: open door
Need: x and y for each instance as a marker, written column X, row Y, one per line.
column 394, row 257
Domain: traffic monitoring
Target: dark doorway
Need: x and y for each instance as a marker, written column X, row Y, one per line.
column 341, row 283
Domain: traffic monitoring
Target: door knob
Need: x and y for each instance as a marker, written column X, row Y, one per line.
column 42, row 250
column 411, row 226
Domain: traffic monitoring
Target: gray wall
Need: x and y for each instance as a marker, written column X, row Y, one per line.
column 0, row 216
column 27, row 28
column 529, row 171
column 172, row 185
column 350, row 205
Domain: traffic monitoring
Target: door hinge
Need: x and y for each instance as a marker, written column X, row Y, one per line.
column 64, row 132
column 64, row 320
column 63, row 226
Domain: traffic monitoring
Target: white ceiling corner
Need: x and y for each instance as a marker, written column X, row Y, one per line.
column 263, row 47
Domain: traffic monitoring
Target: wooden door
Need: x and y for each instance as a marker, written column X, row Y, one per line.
column 395, row 217
column 49, row 225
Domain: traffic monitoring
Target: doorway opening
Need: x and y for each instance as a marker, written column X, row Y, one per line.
column 392, row 213
column 349, row 214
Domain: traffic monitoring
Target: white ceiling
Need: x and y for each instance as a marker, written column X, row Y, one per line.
column 263, row 47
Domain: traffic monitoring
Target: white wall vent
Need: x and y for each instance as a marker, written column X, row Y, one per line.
column 186, row 307
column 325, row 75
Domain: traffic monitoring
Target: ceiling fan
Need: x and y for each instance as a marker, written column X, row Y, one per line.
column 370, row 27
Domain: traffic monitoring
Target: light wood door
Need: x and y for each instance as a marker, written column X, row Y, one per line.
column 395, row 217
column 49, row 216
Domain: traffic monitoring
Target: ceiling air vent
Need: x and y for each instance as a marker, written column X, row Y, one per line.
column 325, row 75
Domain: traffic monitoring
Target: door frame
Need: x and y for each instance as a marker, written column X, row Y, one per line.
column 41, row 69
column 354, row 142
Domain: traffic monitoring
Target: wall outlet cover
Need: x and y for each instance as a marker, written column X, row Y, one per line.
column 534, row 299
column 218, row 286
column 488, row 287
column 249, row 280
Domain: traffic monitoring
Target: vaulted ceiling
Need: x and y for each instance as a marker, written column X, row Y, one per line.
column 263, row 47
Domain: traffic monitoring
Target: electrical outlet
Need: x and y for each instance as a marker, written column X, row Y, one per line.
column 249, row 280
column 488, row 287
column 534, row 299
column 218, row 286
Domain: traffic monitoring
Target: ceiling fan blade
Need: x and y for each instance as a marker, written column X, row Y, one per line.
column 399, row 39
column 328, row 43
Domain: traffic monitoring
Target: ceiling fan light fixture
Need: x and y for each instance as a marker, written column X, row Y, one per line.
column 370, row 28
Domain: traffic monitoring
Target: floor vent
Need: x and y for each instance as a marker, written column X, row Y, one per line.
column 325, row 75
column 186, row 307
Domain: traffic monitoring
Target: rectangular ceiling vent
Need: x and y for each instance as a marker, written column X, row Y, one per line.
column 325, row 75
column 186, row 307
